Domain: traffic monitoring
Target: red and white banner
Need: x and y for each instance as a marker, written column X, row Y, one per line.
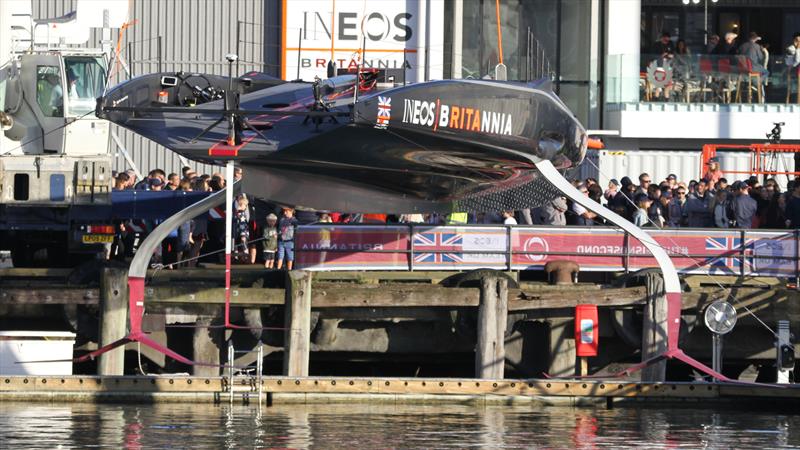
column 398, row 247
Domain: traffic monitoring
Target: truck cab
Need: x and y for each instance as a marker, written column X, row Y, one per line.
column 55, row 164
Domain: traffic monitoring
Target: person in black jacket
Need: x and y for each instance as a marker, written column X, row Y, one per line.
column 727, row 46
column 793, row 208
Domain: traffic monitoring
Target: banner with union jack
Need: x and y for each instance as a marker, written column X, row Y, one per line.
column 732, row 254
column 431, row 247
column 460, row 248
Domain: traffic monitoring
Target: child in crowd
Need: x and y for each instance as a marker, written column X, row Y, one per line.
column 241, row 228
column 508, row 218
column 286, row 239
column 270, row 242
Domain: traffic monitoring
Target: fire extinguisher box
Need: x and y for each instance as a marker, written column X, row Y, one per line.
column 587, row 333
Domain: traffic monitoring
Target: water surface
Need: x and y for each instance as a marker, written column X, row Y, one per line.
column 30, row 425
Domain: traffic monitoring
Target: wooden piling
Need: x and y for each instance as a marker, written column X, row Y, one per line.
column 297, row 335
column 492, row 317
column 654, row 328
column 113, row 319
column 206, row 346
column 562, row 346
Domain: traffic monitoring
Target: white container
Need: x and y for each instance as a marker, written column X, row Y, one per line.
column 607, row 164
column 20, row 349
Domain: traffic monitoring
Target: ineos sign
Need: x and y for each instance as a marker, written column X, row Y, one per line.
column 377, row 26
column 395, row 36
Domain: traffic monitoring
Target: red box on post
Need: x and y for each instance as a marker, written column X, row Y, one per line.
column 587, row 332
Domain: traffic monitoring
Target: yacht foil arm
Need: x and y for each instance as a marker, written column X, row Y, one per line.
column 138, row 271
column 672, row 286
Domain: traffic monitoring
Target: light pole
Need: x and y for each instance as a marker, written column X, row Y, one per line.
column 705, row 15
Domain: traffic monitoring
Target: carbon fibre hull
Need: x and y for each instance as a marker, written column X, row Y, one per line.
column 427, row 147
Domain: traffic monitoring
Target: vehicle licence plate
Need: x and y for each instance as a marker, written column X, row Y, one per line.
column 97, row 238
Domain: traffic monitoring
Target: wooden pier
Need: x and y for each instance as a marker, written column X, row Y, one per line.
column 526, row 327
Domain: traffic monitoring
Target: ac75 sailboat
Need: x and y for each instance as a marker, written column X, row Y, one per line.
column 343, row 144
column 440, row 146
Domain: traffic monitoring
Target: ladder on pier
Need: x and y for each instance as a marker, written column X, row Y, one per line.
column 244, row 382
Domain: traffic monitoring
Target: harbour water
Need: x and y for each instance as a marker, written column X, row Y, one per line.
column 63, row 426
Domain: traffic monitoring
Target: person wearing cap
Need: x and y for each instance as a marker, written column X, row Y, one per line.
column 269, row 243
column 665, row 199
column 753, row 51
column 612, row 191
column 672, row 180
column 643, row 202
column 744, row 206
column 713, row 172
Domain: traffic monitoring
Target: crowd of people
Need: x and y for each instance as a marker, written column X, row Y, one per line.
column 710, row 202
column 750, row 50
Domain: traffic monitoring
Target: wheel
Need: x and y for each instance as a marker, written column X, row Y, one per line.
column 190, row 93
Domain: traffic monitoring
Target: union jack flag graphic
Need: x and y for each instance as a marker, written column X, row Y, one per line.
column 731, row 249
column 441, row 242
column 384, row 111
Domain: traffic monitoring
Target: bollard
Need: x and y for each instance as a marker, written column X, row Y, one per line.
column 113, row 319
column 297, row 320
column 562, row 272
column 492, row 316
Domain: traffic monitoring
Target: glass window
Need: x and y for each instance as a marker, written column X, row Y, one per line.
column 49, row 92
column 522, row 55
column 86, row 77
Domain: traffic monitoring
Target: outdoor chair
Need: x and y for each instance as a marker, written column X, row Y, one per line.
column 745, row 67
column 727, row 83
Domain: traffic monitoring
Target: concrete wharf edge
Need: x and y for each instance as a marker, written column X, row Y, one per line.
column 283, row 389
